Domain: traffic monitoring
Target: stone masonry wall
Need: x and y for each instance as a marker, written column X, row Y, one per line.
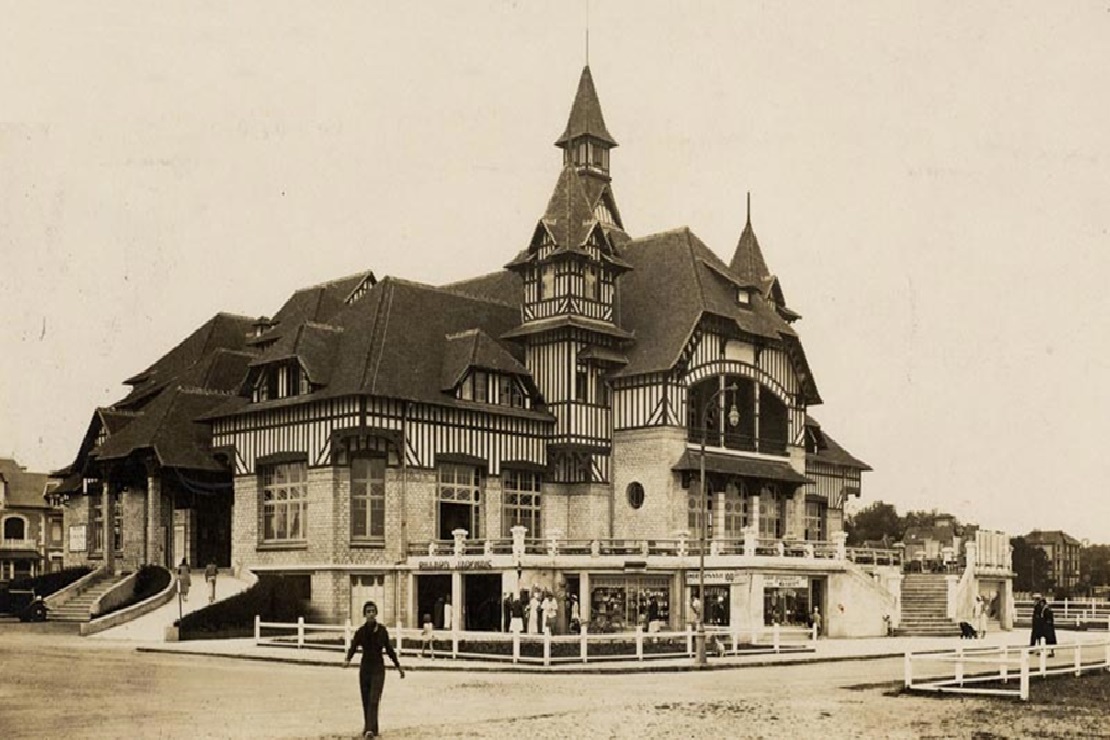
column 645, row 456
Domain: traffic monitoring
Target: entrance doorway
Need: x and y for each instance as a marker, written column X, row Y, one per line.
column 433, row 595
column 482, row 602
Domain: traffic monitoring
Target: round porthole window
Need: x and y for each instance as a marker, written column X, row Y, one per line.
column 635, row 495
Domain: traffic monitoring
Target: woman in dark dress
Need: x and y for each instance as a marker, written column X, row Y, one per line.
column 1038, row 621
column 1048, row 626
column 373, row 639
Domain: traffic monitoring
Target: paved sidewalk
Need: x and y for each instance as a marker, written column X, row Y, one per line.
column 826, row 651
column 151, row 628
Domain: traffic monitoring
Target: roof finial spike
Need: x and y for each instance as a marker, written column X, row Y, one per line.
column 587, row 33
column 749, row 208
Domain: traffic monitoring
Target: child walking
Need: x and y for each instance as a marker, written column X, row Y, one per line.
column 427, row 637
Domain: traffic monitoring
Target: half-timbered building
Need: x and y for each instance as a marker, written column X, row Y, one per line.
column 544, row 426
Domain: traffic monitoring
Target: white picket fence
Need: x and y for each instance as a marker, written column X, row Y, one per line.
column 546, row 649
column 989, row 671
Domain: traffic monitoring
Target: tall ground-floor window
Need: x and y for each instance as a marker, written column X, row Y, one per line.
column 368, row 498
column 459, row 500
column 717, row 603
column 772, row 511
column 520, row 492
column 700, row 510
column 96, row 523
column 736, row 510
column 284, row 502
column 786, row 600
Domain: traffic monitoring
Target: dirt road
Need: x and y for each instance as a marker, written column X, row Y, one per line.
column 63, row 686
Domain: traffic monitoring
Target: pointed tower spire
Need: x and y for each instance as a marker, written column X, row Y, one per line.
column 585, row 115
column 747, row 261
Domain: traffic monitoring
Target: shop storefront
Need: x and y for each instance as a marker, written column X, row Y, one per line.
column 719, row 595
column 790, row 599
column 623, row 602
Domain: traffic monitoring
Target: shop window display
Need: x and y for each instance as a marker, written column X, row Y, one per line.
column 786, row 606
column 620, row 604
column 717, row 611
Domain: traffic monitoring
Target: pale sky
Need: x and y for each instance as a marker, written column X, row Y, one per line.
column 930, row 182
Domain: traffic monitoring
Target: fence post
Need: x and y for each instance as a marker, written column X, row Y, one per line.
column 813, row 632
column 1004, row 674
column 300, row 632
column 775, row 636
column 960, row 665
column 639, row 642
column 736, row 640
column 1044, row 658
column 582, row 648
column 257, row 629
column 454, row 642
column 1078, row 657
column 516, row 647
column 401, row 639
column 347, row 637
column 908, row 669
column 1108, row 655
column 1023, row 691
column 690, row 640
column 546, row 646
column 1065, row 608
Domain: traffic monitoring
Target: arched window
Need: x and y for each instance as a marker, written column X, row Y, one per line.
column 15, row 528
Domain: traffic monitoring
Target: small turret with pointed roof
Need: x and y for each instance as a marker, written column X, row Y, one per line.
column 586, row 141
column 749, row 265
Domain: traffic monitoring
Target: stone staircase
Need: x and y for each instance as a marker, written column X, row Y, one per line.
column 925, row 607
column 77, row 608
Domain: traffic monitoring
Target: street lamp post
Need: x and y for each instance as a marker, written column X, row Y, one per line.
column 733, row 420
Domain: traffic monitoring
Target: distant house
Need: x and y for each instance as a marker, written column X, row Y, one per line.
column 939, row 542
column 1063, row 555
column 30, row 527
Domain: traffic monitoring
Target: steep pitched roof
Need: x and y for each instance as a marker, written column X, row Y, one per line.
column 169, row 427
column 676, row 280
column 22, row 488
column 389, row 336
column 312, row 344
column 748, row 264
column 585, row 113
column 503, row 286
column 222, row 331
column 475, row 349
column 829, row 450
column 319, row 303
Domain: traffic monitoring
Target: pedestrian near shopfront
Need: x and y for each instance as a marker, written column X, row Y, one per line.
column 815, row 620
column 184, row 579
column 575, row 615
column 516, row 624
column 373, row 638
column 534, row 614
column 550, row 609
column 210, row 574
column 427, row 637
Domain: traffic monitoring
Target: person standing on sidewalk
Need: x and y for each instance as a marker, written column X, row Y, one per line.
column 1037, row 631
column 373, row 638
column 184, row 579
column 210, row 573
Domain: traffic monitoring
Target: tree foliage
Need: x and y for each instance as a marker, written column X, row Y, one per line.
column 1094, row 565
column 1032, row 569
column 875, row 522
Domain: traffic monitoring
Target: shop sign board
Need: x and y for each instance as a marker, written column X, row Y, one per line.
column 78, row 538
column 785, row 582
column 455, row 564
column 717, row 577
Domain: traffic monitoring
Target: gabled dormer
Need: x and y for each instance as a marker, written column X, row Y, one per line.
column 477, row 368
column 297, row 364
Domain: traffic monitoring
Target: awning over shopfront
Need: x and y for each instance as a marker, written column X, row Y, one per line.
column 19, row 555
column 745, row 467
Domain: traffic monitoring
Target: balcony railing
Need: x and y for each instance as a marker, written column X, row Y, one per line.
column 677, row 547
column 737, row 441
column 23, row 544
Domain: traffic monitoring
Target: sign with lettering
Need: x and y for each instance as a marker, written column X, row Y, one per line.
column 717, row 577
column 78, row 538
column 785, row 582
column 455, row 564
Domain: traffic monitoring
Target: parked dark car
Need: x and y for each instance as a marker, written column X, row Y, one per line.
column 26, row 604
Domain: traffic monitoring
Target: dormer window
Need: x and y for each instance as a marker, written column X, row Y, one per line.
column 744, row 297
column 280, row 380
column 494, row 388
